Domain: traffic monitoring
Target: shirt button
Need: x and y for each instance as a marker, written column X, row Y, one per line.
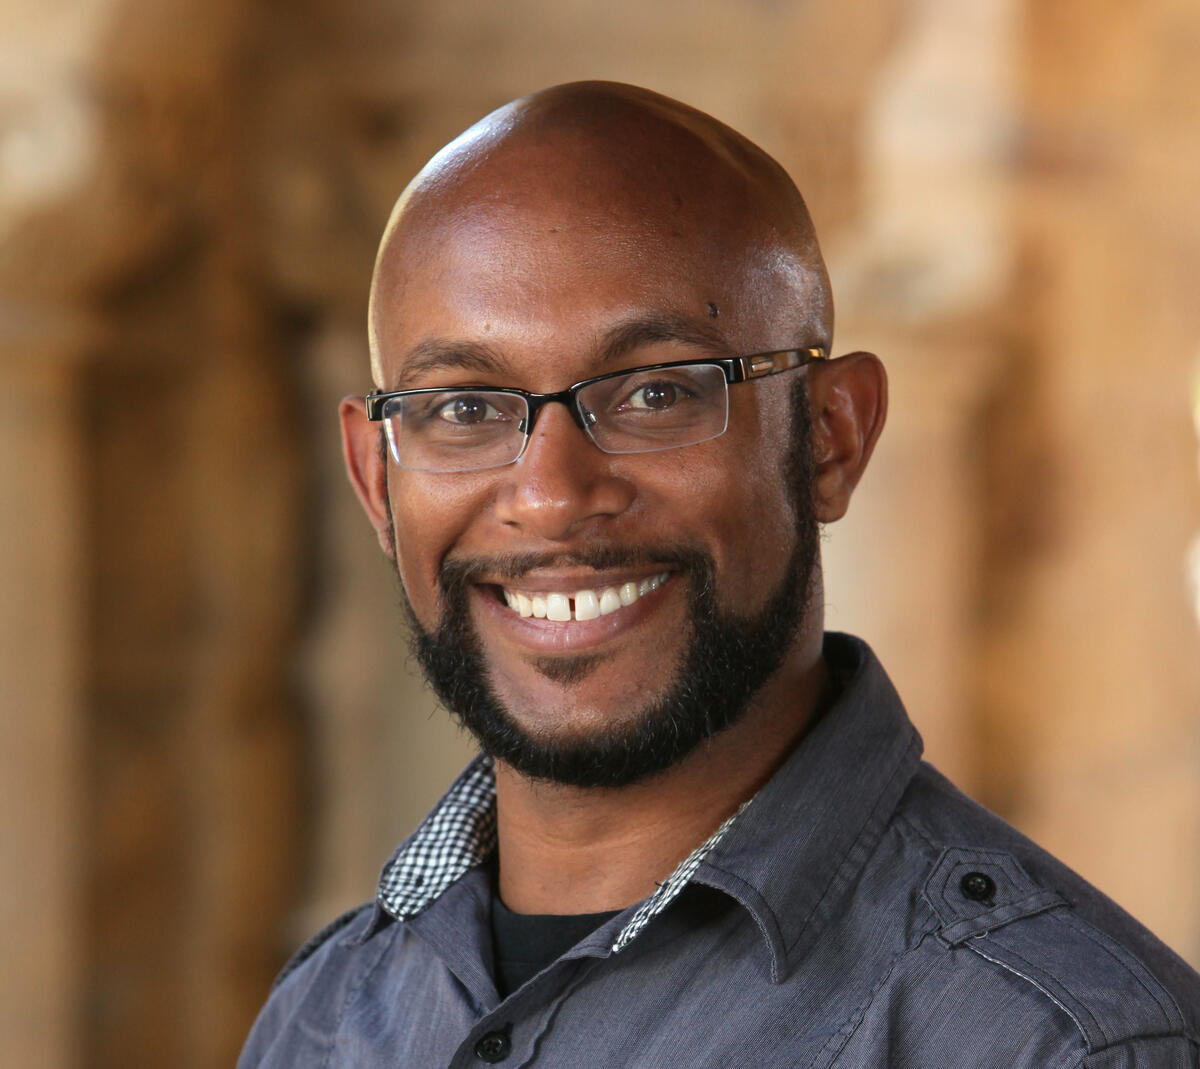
column 494, row 1047
column 978, row 886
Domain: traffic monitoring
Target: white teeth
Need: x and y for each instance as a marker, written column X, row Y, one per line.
column 558, row 607
column 588, row 604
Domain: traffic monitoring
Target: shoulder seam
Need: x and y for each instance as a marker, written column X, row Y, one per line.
column 1075, row 1004
column 908, row 822
column 970, row 944
column 1089, row 931
column 314, row 943
column 1150, row 1037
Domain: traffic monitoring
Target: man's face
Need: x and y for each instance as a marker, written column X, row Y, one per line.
column 716, row 539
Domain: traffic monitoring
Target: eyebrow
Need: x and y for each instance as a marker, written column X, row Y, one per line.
column 649, row 329
column 440, row 354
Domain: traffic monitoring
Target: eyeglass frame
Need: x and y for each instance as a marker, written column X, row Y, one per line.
column 736, row 369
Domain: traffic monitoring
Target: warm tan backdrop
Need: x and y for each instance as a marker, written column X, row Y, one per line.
column 209, row 735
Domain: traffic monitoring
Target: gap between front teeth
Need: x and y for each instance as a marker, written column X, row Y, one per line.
column 588, row 604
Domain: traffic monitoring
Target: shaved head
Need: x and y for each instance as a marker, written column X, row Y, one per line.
column 623, row 168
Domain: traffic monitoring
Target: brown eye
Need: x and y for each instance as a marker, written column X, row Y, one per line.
column 654, row 395
column 467, row 411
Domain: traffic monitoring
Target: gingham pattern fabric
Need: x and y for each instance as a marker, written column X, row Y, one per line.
column 460, row 833
column 671, row 887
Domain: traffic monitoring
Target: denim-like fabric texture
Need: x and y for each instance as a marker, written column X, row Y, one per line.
column 833, row 925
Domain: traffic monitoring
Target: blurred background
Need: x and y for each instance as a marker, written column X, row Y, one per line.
column 210, row 734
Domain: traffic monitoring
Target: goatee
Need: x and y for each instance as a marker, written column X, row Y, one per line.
column 727, row 658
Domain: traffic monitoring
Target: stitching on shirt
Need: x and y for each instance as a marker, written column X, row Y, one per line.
column 762, row 927
column 935, row 851
column 856, row 1016
column 586, row 967
column 314, row 943
column 992, row 920
column 1089, row 932
column 874, row 818
column 670, row 888
column 1003, row 860
column 351, row 994
column 972, row 945
column 1149, row 1037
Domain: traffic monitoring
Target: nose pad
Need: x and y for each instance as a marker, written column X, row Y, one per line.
column 584, row 418
column 547, row 424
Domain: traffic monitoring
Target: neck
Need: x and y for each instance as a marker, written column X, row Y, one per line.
column 589, row 850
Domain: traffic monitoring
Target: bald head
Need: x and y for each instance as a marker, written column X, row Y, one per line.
column 616, row 173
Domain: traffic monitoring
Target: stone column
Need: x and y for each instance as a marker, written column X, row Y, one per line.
column 43, row 539
column 1092, row 665
column 153, row 528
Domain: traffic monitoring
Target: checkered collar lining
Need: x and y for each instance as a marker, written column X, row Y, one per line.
column 460, row 833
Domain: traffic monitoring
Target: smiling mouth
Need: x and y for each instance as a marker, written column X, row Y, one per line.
column 584, row 604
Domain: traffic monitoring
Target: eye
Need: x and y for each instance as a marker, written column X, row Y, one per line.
column 654, row 395
column 468, row 410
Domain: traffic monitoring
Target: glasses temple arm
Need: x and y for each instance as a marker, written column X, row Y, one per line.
column 762, row 364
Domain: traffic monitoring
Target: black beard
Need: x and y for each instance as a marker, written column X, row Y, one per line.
column 727, row 660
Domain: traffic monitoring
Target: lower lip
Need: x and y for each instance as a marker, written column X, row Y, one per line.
column 575, row 636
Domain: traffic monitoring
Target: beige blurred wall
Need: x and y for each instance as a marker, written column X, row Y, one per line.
column 212, row 735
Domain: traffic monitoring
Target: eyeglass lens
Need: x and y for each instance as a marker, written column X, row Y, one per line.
column 644, row 411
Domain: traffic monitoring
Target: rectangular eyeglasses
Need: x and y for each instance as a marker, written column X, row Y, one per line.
column 639, row 410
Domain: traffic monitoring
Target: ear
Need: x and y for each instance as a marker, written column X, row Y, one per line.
column 848, row 401
column 366, row 466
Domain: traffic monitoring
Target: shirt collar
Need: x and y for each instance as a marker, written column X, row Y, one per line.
column 460, row 833
column 831, row 800
column 800, row 845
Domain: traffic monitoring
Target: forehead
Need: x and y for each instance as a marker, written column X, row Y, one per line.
column 538, row 289
column 545, row 251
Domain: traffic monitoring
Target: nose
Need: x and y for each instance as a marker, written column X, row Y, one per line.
column 562, row 483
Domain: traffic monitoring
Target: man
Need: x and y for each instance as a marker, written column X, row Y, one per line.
column 604, row 432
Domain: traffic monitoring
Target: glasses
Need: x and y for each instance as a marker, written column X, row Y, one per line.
column 640, row 410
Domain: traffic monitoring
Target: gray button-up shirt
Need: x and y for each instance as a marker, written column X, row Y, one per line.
column 859, row 911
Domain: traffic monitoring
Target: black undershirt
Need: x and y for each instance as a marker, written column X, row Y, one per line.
column 525, row 943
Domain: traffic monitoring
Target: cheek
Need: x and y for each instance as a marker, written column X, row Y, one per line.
column 429, row 514
column 758, row 443
column 730, row 496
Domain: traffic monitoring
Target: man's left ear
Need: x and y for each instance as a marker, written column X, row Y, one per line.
column 848, row 401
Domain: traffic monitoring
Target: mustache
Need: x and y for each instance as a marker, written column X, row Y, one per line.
column 455, row 575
